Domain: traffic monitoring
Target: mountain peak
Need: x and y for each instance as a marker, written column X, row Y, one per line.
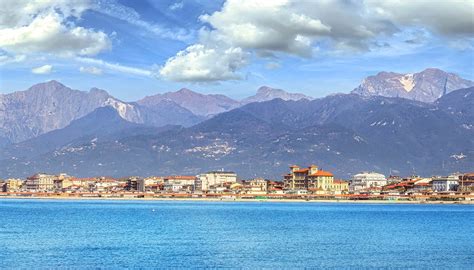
column 98, row 91
column 266, row 93
column 266, row 89
column 53, row 84
column 426, row 86
column 199, row 104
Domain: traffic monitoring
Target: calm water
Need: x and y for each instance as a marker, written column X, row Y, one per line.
column 129, row 234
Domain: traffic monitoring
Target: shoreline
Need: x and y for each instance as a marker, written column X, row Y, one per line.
column 72, row 198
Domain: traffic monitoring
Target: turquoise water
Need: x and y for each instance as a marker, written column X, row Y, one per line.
column 142, row 234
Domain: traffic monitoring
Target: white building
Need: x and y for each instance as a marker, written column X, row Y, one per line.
column 215, row 178
column 179, row 183
column 445, row 184
column 367, row 180
column 41, row 182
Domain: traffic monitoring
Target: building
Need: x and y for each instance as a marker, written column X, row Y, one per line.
column 311, row 178
column 179, row 183
column 258, row 185
column 12, row 185
column 367, row 181
column 135, row 183
column 213, row 179
column 445, row 184
column 340, row 186
column 106, row 184
column 466, row 182
column 41, row 182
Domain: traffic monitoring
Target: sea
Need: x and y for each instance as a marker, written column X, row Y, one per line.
column 120, row 234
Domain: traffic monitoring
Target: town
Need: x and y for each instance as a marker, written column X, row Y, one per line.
column 300, row 183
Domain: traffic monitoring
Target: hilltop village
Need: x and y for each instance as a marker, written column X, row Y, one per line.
column 309, row 183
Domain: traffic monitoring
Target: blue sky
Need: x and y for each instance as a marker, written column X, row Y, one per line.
column 138, row 48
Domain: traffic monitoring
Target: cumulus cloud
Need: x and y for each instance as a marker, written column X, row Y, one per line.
column 91, row 70
column 301, row 28
column 266, row 25
column 46, row 69
column 44, row 26
column 201, row 63
column 449, row 18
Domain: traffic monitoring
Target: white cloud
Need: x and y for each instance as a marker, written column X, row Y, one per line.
column 115, row 67
column 46, row 69
column 91, row 70
column 176, row 6
column 449, row 18
column 264, row 25
column 200, row 63
column 300, row 28
column 45, row 26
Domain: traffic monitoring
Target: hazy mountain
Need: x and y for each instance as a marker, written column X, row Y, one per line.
column 49, row 106
column 103, row 124
column 198, row 104
column 425, row 86
column 342, row 133
column 266, row 93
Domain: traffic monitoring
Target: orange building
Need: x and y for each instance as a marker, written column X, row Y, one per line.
column 313, row 179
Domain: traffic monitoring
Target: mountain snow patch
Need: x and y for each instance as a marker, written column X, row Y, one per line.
column 458, row 156
column 407, row 82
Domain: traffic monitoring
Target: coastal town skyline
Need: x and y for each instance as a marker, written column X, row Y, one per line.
column 302, row 183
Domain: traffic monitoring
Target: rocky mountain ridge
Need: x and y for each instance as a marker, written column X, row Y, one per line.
column 426, row 86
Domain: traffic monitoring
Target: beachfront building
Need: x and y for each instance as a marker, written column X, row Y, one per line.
column 134, row 183
column 367, row 181
column 312, row 179
column 258, row 185
column 179, row 183
column 214, row 179
column 12, row 185
column 41, row 182
column 466, row 182
column 340, row 186
column 445, row 184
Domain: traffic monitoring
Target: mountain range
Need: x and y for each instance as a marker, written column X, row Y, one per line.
column 426, row 86
column 185, row 132
column 51, row 105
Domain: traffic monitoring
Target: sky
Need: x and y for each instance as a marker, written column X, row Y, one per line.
column 135, row 48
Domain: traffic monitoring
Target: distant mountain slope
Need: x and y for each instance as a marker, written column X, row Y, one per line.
column 210, row 105
column 425, row 86
column 199, row 104
column 49, row 106
column 266, row 93
column 102, row 125
column 342, row 133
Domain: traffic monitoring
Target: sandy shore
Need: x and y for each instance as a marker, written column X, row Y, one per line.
column 238, row 200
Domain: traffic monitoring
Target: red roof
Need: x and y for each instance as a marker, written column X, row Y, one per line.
column 294, row 166
column 322, row 173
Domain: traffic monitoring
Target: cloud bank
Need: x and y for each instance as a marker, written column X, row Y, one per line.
column 244, row 28
column 46, row 26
